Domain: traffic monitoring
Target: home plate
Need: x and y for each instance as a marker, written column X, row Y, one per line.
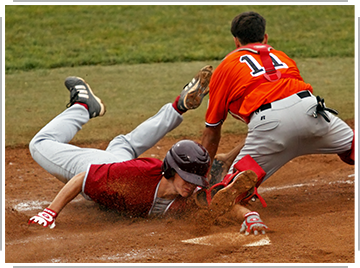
column 230, row 239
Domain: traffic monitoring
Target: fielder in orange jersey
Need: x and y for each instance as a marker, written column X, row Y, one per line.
column 244, row 74
column 263, row 87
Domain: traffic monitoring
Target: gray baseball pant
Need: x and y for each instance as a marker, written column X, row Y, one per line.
column 50, row 148
column 289, row 129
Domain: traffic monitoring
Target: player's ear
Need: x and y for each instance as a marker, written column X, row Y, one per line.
column 237, row 42
column 266, row 38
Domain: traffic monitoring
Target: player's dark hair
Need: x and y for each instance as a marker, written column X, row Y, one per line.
column 248, row 27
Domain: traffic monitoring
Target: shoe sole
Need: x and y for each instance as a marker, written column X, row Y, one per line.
column 225, row 198
column 199, row 87
column 99, row 101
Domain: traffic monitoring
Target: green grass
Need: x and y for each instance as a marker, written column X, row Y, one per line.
column 46, row 36
column 136, row 58
column 133, row 93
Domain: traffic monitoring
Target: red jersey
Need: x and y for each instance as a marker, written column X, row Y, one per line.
column 238, row 85
column 128, row 186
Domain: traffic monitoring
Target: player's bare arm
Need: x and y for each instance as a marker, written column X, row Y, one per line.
column 210, row 139
column 67, row 193
column 228, row 158
column 222, row 163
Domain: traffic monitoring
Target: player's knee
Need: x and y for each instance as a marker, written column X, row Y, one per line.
column 349, row 156
column 33, row 144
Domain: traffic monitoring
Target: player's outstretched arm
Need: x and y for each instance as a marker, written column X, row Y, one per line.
column 71, row 189
column 251, row 220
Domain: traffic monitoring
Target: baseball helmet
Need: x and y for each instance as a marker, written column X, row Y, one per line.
column 190, row 160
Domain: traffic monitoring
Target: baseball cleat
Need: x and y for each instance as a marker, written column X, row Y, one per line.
column 81, row 92
column 194, row 92
column 225, row 198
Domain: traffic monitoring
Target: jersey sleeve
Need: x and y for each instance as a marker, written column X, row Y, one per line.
column 216, row 112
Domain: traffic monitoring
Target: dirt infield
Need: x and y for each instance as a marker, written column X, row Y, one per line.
column 310, row 213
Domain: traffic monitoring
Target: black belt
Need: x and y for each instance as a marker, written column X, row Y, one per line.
column 302, row 94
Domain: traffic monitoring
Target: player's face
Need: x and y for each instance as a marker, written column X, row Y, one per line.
column 184, row 188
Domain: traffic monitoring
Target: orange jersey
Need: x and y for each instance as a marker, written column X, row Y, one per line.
column 238, row 85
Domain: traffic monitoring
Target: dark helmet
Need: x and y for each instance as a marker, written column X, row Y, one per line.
column 190, row 160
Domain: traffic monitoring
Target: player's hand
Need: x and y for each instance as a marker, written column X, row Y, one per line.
column 45, row 218
column 253, row 223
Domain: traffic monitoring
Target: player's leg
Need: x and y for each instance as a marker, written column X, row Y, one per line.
column 338, row 139
column 50, row 148
column 148, row 133
column 349, row 155
column 285, row 135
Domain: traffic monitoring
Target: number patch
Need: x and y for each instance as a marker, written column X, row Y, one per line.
column 256, row 68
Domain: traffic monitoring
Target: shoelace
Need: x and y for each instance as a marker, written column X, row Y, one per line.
column 73, row 99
